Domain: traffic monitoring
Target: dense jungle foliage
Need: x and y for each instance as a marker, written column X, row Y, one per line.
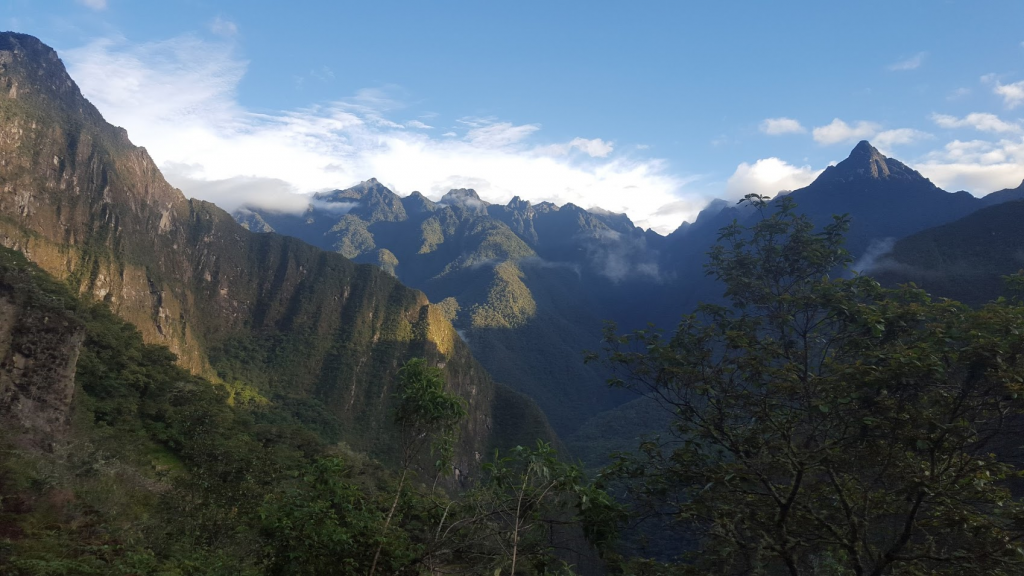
column 167, row 473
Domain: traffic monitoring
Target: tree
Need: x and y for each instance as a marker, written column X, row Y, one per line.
column 427, row 417
column 824, row 424
column 323, row 522
column 525, row 517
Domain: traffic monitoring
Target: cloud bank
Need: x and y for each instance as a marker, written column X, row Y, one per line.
column 178, row 98
column 978, row 166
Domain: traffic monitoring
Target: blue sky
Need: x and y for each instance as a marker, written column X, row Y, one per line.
column 651, row 108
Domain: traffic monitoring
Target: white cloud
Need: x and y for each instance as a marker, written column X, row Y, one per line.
column 177, row 98
column 978, row 166
column 981, row 121
column 1013, row 94
column 237, row 191
column 500, row 135
column 94, row 4
column 776, row 126
column 418, row 125
column 910, row 63
column 222, row 27
column 838, row 131
column 595, row 147
column 768, row 176
column 886, row 139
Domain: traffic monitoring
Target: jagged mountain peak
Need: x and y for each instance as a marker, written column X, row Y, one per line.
column 865, row 162
column 464, row 197
column 371, row 187
column 517, row 203
column 417, row 202
column 371, row 201
column 31, row 66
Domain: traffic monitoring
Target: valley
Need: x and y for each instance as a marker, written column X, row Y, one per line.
column 388, row 384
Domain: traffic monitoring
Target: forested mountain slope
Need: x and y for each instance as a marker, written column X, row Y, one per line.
column 527, row 286
column 964, row 260
column 263, row 311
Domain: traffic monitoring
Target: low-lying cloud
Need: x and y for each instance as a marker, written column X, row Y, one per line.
column 619, row 257
column 178, row 98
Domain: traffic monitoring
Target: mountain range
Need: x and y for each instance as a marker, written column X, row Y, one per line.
column 169, row 372
column 522, row 281
column 266, row 312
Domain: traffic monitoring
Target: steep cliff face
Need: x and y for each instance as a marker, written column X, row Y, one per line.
column 39, row 346
column 87, row 206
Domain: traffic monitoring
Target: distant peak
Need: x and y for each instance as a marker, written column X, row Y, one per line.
column 864, row 147
column 462, row 193
column 371, row 187
column 517, row 203
column 417, row 202
column 865, row 162
column 465, row 197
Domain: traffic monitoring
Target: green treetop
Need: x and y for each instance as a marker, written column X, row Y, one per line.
column 824, row 424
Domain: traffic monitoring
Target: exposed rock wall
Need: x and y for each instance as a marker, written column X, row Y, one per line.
column 39, row 346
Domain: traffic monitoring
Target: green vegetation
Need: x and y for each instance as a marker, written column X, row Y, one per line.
column 433, row 235
column 828, row 425
column 386, row 261
column 963, row 260
column 351, row 238
column 159, row 473
column 509, row 303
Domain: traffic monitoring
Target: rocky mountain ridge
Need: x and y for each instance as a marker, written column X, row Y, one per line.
column 537, row 280
column 78, row 199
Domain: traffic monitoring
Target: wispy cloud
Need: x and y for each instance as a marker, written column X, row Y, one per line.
column 222, row 27
column 777, row 126
column 593, row 147
column 178, row 98
column 981, row 121
column 886, row 139
column 959, row 93
column 500, row 135
column 94, row 4
column 839, row 131
column 910, row 63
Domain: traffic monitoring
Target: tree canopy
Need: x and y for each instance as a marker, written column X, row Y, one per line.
column 824, row 424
